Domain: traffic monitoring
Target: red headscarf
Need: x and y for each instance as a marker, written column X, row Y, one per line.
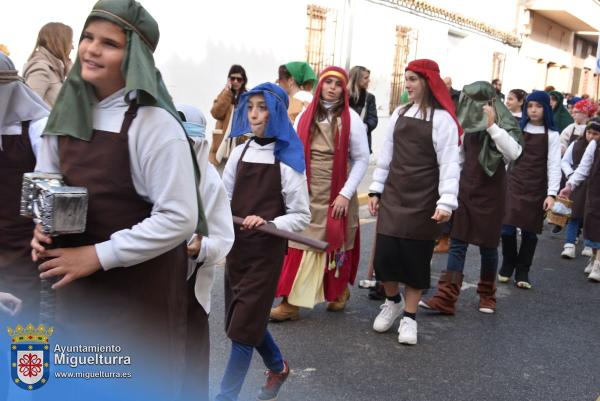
column 586, row 107
column 430, row 70
column 336, row 229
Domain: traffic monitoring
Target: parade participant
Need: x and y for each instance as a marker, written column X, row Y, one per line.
column 337, row 156
column 589, row 170
column 206, row 254
column 222, row 111
column 23, row 116
column 497, row 84
column 454, row 94
column 297, row 79
column 266, row 184
column 532, row 184
column 492, row 138
column 417, row 179
column 569, row 163
column 115, row 131
column 561, row 116
column 49, row 63
column 362, row 101
column 514, row 102
column 582, row 111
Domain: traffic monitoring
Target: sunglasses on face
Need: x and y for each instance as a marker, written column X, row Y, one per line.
column 238, row 79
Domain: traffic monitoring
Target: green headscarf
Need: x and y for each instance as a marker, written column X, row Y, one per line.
column 301, row 71
column 562, row 117
column 72, row 112
column 473, row 119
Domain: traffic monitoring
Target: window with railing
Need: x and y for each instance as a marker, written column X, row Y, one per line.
column 403, row 40
column 321, row 30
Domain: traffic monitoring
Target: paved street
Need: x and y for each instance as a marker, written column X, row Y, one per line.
column 542, row 344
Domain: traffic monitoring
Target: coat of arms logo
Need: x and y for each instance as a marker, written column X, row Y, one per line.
column 30, row 355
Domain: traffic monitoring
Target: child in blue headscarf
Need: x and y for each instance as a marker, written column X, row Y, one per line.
column 265, row 181
column 532, row 185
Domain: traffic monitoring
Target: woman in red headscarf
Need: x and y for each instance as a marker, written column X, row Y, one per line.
column 337, row 157
column 414, row 190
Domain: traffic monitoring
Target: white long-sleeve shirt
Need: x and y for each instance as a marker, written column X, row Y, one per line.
column 358, row 154
column 445, row 144
column 36, row 127
column 506, row 144
column 568, row 132
column 294, row 187
column 583, row 170
column 554, row 174
column 162, row 173
column 566, row 162
column 215, row 247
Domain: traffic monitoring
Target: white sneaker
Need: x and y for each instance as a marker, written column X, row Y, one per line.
column 595, row 273
column 568, row 251
column 390, row 311
column 588, row 268
column 587, row 252
column 407, row 332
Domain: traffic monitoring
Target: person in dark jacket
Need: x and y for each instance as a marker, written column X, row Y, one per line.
column 362, row 101
column 454, row 94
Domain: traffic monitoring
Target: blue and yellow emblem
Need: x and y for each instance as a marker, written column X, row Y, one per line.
column 30, row 355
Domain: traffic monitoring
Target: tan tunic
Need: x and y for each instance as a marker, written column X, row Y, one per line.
column 321, row 166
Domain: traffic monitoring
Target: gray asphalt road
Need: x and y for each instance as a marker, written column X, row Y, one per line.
column 542, row 344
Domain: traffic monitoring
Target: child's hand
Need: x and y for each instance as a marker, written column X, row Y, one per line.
column 441, row 216
column 548, row 203
column 194, row 246
column 374, row 205
column 251, row 222
column 10, row 304
column 339, row 207
column 566, row 192
column 491, row 115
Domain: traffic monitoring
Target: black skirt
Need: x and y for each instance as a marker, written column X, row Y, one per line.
column 406, row 261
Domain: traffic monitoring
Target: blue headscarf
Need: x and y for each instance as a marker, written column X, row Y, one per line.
column 544, row 99
column 288, row 148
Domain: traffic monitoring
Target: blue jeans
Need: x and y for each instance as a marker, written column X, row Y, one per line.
column 458, row 252
column 239, row 363
column 512, row 230
column 573, row 228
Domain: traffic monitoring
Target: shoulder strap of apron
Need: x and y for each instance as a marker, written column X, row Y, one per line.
column 130, row 114
column 431, row 114
column 25, row 128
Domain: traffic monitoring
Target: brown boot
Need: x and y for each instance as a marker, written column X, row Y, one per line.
column 285, row 311
column 443, row 244
column 487, row 292
column 446, row 295
column 340, row 303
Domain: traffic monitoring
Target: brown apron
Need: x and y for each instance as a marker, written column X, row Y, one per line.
column 591, row 221
column 411, row 190
column 478, row 219
column 142, row 306
column 18, row 274
column 254, row 263
column 322, row 149
column 528, row 185
column 578, row 195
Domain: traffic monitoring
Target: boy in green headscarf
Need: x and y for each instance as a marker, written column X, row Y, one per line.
column 115, row 131
column 492, row 138
column 297, row 79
